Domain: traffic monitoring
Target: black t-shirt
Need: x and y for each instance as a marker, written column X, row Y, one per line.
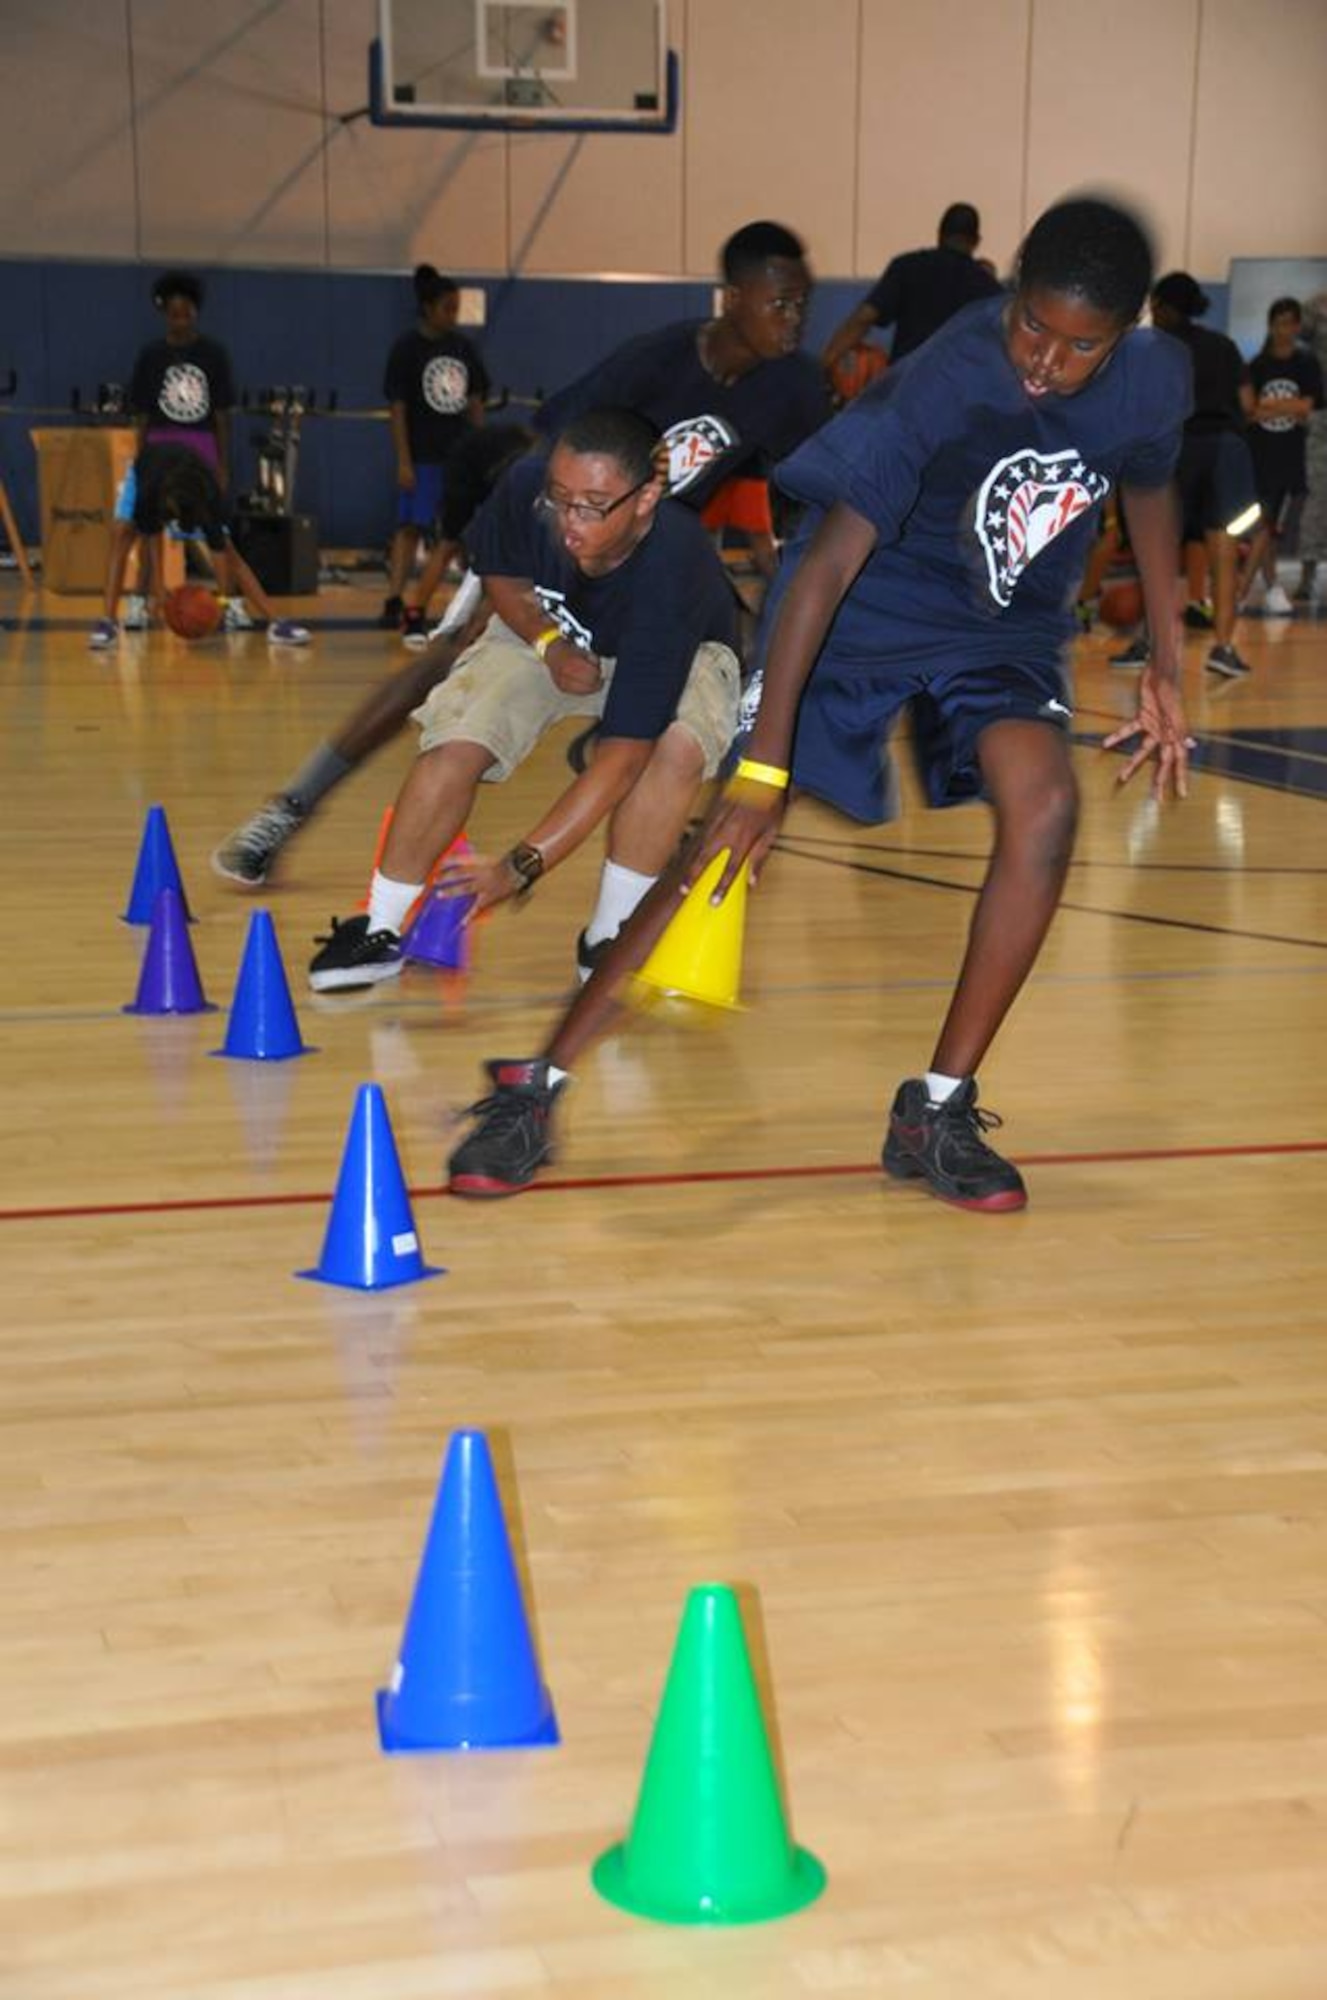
column 1278, row 443
column 712, row 429
column 1218, row 371
column 474, row 467
column 173, row 487
column 182, row 386
column 434, row 375
column 917, row 292
column 649, row 614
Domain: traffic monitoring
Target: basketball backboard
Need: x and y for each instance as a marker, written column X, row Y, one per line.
column 568, row 66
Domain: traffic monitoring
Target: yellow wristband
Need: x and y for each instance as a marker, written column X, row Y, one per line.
column 764, row 774
column 545, row 640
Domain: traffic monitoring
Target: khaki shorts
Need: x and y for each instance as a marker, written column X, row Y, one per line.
column 501, row 696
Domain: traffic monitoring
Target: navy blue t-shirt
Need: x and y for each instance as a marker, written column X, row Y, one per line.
column 917, row 292
column 434, row 376
column 649, row 614
column 182, row 387
column 985, row 500
column 712, row 429
column 1279, row 444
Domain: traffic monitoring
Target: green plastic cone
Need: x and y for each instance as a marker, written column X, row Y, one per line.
column 709, row 1843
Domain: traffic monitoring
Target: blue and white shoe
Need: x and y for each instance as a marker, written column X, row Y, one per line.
column 285, row 632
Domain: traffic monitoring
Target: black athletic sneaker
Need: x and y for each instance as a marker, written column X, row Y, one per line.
column 248, row 854
column 511, row 1141
column 579, row 748
column 1224, row 660
column 414, row 627
column 1135, row 654
column 943, row 1144
column 389, row 618
column 354, row 956
column 588, row 956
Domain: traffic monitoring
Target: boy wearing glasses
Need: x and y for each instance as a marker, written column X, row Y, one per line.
column 608, row 603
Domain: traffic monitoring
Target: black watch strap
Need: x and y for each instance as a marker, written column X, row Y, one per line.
column 527, row 862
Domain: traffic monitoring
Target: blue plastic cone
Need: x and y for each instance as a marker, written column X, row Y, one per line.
column 157, row 869
column 263, row 1027
column 169, row 981
column 438, row 935
column 468, row 1676
column 371, row 1242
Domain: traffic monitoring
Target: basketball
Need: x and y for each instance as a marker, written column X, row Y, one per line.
column 192, row 611
column 857, row 369
column 1122, row 604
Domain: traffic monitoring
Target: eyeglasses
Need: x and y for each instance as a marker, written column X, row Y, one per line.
column 589, row 511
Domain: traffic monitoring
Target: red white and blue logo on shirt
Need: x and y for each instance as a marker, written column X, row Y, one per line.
column 694, row 445
column 1025, row 501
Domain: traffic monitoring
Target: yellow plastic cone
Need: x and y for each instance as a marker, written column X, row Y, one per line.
column 700, row 954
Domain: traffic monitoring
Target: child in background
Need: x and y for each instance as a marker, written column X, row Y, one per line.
column 435, row 383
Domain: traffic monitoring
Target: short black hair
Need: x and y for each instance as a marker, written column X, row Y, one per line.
column 754, row 246
column 177, row 285
column 962, row 221
column 1181, row 291
column 1286, row 305
column 626, row 437
column 1093, row 250
column 430, row 285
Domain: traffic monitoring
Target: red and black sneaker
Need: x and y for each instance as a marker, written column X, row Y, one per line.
column 511, row 1141
column 942, row 1144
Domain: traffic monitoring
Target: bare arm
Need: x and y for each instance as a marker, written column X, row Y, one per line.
column 405, row 465
column 1153, row 517
column 747, row 817
column 618, row 762
column 574, row 670
column 854, row 328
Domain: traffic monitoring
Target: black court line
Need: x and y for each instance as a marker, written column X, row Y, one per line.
column 786, row 846
column 983, row 855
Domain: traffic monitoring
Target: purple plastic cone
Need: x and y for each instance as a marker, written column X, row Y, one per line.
column 263, row 1027
column 157, row 869
column 169, row 982
column 438, row 935
column 371, row 1242
column 467, row 1677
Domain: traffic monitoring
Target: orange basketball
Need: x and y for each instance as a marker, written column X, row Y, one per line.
column 1122, row 604
column 192, row 611
column 857, row 369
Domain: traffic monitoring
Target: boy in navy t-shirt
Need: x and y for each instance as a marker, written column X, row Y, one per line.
column 952, row 510
column 609, row 602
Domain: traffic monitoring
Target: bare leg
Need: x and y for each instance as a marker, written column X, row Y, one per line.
column 402, row 556
column 432, row 807
column 123, row 536
column 233, row 572
column 645, row 829
column 1026, row 769
column 1221, row 555
column 435, row 568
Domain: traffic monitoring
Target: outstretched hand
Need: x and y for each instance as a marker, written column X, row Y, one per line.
column 1164, row 732
column 745, row 820
column 478, row 875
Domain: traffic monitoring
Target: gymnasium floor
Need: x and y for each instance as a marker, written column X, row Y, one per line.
column 1030, row 1512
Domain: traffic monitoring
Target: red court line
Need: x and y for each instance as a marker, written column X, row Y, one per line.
column 705, row 1177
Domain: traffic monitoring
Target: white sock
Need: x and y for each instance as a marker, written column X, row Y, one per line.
column 941, row 1088
column 620, row 889
column 389, row 901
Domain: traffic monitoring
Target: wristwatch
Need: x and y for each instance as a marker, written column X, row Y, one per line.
column 527, row 862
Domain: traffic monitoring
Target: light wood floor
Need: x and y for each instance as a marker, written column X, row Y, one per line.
column 1035, row 1507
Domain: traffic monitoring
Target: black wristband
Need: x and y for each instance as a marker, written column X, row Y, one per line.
column 526, row 862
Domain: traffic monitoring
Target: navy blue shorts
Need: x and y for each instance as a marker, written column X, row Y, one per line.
column 421, row 506
column 841, row 749
column 1216, row 482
